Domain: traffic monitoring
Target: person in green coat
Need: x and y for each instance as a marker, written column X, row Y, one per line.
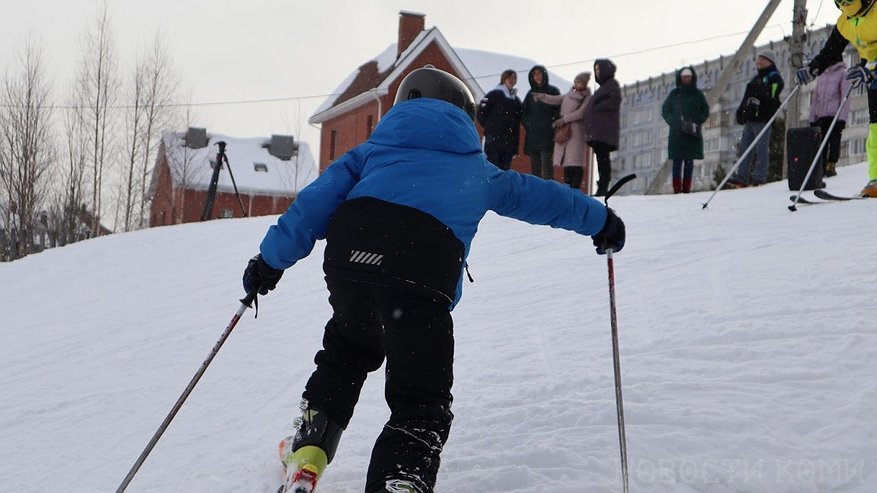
column 537, row 118
column 685, row 110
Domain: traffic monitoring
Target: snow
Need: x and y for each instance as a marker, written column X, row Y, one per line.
column 486, row 67
column 747, row 350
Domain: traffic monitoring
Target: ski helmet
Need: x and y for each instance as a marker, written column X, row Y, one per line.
column 853, row 7
column 436, row 84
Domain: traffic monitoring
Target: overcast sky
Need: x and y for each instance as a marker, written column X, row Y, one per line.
column 244, row 50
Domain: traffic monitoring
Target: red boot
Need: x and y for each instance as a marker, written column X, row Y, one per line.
column 686, row 185
column 677, row 185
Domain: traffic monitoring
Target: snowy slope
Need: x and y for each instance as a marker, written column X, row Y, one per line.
column 747, row 336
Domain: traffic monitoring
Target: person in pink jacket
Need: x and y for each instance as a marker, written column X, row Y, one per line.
column 569, row 133
column 831, row 85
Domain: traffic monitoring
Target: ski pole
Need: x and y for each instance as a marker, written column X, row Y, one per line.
column 752, row 145
column 245, row 303
column 616, row 358
column 825, row 137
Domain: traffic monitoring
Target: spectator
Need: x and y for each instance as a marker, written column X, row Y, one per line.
column 603, row 121
column 499, row 114
column 569, row 147
column 761, row 100
column 831, row 86
column 685, row 110
column 537, row 118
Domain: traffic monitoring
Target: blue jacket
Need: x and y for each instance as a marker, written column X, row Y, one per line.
column 426, row 154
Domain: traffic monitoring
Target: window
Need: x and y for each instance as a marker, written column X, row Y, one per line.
column 859, row 117
column 226, row 214
column 260, row 167
column 857, row 147
column 333, row 140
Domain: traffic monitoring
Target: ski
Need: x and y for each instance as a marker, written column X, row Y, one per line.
column 822, row 194
column 802, row 200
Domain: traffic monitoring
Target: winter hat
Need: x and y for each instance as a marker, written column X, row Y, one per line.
column 686, row 71
column 769, row 54
column 585, row 77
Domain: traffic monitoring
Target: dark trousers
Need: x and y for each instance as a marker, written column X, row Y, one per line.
column 832, row 147
column 683, row 168
column 370, row 323
column 572, row 176
column 541, row 164
column 604, row 165
column 500, row 157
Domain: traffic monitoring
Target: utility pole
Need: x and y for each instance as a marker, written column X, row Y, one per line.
column 796, row 48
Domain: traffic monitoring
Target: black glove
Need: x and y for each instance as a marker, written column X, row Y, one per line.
column 612, row 234
column 259, row 275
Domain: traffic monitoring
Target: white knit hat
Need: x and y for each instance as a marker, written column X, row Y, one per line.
column 769, row 54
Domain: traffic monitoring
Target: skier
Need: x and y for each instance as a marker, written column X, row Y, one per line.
column 857, row 24
column 398, row 213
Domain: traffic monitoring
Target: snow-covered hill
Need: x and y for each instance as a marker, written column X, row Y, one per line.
column 748, row 343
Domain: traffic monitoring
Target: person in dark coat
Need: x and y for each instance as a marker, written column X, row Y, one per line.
column 761, row 100
column 603, row 121
column 537, row 118
column 398, row 214
column 499, row 114
column 685, row 110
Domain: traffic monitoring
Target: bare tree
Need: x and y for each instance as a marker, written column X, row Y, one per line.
column 26, row 149
column 162, row 88
column 72, row 173
column 182, row 161
column 98, row 83
column 148, row 110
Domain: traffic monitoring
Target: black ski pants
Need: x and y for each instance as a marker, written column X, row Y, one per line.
column 414, row 334
column 604, row 165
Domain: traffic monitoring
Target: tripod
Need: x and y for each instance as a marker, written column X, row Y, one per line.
column 214, row 180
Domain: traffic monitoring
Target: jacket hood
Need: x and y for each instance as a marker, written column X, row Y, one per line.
column 430, row 124
column 530, row 79
column 693, row 76
column 607, row 70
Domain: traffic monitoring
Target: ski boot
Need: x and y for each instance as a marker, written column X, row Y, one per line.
column 870, row 189
column 306, row 454
column 830, row 169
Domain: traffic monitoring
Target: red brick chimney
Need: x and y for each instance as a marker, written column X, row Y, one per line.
column 410, row 25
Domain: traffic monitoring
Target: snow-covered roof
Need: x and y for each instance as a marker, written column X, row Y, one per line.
column 487, row 66
column 480, row 70
column 255, row 170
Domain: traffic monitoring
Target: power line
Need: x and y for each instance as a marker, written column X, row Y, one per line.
column 322, row 96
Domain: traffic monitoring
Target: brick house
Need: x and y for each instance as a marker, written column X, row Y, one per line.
column 268, row 173
column 349, row 115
